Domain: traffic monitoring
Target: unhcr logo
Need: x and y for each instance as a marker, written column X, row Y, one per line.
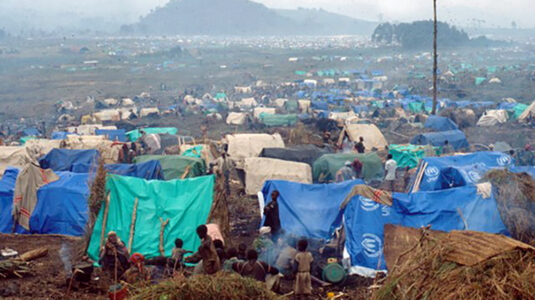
column 372, row 245
column 504, row 160
column 368, row 204
column 432, row 173
column 474, row 176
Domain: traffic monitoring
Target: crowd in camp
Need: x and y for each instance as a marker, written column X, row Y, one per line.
column 317, row 154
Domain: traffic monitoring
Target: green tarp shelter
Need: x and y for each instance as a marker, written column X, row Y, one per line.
column 325, row 167
column 291, row 105
column 409, row 155
column 134, row 135
column 220, row 96
column 278, row 120
column 174, row 166
column 479, row 80
column 518, row 110
column 186, row 203
column 300, row 73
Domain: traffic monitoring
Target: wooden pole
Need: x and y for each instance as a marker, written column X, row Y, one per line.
column 132, row 228
column 162, row 249
column 435, row 58
column 104, row 221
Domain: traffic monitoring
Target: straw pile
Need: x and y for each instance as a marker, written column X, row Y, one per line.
column 432, row 269
column 515, row 196
column 221, row 286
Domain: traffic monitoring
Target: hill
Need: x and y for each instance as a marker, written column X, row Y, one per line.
column 322, row 22
column 242, row 17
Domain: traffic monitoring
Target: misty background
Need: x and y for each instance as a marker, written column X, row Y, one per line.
column 107, row 16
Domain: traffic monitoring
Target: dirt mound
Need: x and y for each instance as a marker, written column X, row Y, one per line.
column 515, row 196
column 459, row 265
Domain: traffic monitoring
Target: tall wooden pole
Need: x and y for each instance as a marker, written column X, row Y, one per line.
column 435, row 63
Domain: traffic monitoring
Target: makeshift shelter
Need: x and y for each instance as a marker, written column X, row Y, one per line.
column 40, row 147
column 493, row 117
column 109, row 151
column 437, row 173
column 455, row 138
column 438, row 123
column 61, row 206
column 145, row 112
column 247, row 102
column 176, row 166
column 453, row 209
column 113, row 135
column 309, row 210
column 108, row 115
column 60, row 135
column 278, row 120
column 260, row 110
column 185, row 204
column 241, row 146
column 65, row 159
column 147, row 170
column 134, row 135
column 302, row 153
column 409, row 155
column 88, row 129
column 325, row 167
column 373, row 138
column 13, row 157
column 260, row 169
column 528, row 112
column 236, row 118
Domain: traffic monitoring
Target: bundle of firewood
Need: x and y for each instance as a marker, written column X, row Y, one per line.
column 19, row 266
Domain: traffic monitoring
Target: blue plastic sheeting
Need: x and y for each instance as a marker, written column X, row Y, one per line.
column 65, row 159
column 113, row 134
column 147, row 170
column 507, row 105
column 7, row 188
column 309, row 210
column 32, row 131
column 526, row 169
column 320, row 105
column 61, row 205
column 60, row 135
column 455, row 138
column 439, row 123
column 364, row 220
column 360, row 108
column 459, row 170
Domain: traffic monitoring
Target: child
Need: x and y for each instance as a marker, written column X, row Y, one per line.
column 302, row 262
column 178, row 253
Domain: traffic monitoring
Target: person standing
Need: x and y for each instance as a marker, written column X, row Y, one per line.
column 302, row 262
column 447, row 148
column 345, row 173
column 390, row 170
column 271, row 214
column 359, row 146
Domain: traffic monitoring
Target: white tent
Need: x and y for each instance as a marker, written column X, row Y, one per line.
column 259, row 110
column 304, row 106
column 12, row 156
column 493, row 117
column 127, row 102
column 40, row 147
column 149, row 110
column 259, row 169
column 241, row 146
column 247, row 102
column 280, row 102
column 236, row 118
column 373, row 138
column 108, row 115
column 530, row 111
column 111, row 101
column 495, row 80
column 243, row 89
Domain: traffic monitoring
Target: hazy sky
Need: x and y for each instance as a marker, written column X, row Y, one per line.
column 493, row 13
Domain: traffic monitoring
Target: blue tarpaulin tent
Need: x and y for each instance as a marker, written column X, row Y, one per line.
column 32, row 131
column 364, row 220
column 7, row 188
column 65, row 159
column 438, row 123
column 437, row 173
column 61, row 205
column 113, row 134
column 456, row 139
column 309, row 210
column 146, row 170
column 60, row 135
column 526, row 169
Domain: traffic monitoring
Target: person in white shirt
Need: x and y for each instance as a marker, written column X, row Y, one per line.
column 390, row 172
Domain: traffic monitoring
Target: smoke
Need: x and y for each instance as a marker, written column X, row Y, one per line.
column 66, row 256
